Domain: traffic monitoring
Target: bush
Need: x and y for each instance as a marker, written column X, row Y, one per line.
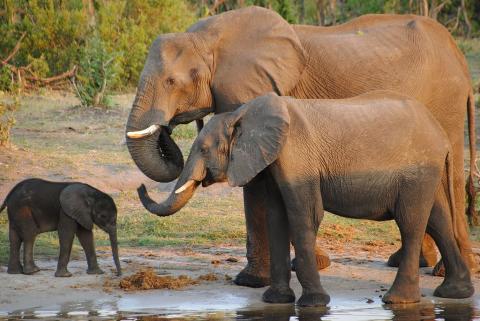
column 7, row 120
column 96, row 70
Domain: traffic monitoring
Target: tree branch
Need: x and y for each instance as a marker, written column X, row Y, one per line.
column 14, row 51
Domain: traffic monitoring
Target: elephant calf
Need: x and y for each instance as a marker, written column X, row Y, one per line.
column 378, row 156
column 35, row 206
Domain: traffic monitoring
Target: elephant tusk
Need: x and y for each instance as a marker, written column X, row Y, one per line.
column 189, row 183
column 144, row 133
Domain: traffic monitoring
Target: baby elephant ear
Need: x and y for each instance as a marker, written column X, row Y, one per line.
column 260, row 129
column 77, row 204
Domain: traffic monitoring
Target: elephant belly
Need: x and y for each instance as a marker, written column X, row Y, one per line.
column 363, row 196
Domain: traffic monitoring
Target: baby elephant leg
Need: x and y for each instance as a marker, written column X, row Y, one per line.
column 457, row 283
column 86, row 240
column 66, row 232
column 14, row 265
column 29, row 266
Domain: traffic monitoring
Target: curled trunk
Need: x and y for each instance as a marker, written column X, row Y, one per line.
column 157, row 155
column 174, row 202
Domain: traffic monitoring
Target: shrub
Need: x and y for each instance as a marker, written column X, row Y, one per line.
column 96, row 70
column 7, row 120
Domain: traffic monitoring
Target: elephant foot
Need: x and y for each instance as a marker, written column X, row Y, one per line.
column 246, row 278
column 252, row 278
column 14, row 269
column 63, row 273
column 30, row 269
column 313, row 299
column 95, row 270
column 402, row 296
column 395, row 258
column 439, row 269
column 454, row 289
column 277, row 295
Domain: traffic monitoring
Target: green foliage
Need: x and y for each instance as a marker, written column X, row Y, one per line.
column 7, row 119
column 96, row 70
column 129, row 27
column 61, row 34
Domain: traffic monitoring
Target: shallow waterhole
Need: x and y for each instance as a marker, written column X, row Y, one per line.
column 339, row 310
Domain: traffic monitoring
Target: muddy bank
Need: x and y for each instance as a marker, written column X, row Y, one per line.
column 354, row 282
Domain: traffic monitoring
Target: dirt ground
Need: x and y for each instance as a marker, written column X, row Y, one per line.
column 356, row 280
column 55, row 140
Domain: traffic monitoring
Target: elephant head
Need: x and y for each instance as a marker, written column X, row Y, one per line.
column 87, row 205
column 218, row 64
column 233, row 146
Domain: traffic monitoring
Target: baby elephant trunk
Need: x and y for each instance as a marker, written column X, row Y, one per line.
column 114, row 245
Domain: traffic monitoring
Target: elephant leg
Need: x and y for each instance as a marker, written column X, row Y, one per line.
column 29, row 266
column 411, row 215
column 86, row 241
column 66, row 232
column 257, row 272
column 457, row 283
column 14, row 265
column 428, row 255
column 279, row 245
column 304, row 236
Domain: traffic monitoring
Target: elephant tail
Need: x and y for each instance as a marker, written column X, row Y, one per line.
column 451, row 194
column 473, row 158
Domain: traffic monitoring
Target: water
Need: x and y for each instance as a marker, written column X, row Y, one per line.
column 118, row 310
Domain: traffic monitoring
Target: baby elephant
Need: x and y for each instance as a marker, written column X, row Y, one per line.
column 35, row 206
column 378, row 156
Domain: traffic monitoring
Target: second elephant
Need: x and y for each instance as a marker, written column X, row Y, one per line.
column 378, row 156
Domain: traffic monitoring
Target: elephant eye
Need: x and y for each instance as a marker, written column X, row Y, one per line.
column 204, row 150
column 170, row 81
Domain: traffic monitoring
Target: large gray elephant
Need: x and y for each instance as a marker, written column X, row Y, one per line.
column 378, row 156
column 229, row 59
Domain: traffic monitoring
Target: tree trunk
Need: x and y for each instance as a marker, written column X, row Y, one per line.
column 321, row 12
column 467, row 20
column 302, row 11
column 333, row 11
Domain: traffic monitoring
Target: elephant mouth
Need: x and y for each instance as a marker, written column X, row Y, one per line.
column 164, row 147
column 208, row 180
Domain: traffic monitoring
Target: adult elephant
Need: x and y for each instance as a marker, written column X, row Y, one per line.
column 229, row 59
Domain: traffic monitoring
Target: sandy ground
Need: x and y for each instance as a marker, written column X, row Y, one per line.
column 355, row 281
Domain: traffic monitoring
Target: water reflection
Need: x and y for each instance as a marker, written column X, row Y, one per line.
column 413, row 312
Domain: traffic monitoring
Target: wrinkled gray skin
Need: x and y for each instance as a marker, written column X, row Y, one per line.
column 377, row 156
column 226, row 60
column 36, row 206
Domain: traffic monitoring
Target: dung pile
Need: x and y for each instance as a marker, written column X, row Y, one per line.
column 147, row 279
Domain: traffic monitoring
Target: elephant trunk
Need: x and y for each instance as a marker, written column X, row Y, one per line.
column 187, row 183
column 114, row 244
column 149, row 142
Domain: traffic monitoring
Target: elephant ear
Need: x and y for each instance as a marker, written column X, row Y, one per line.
column 260, row 129
column 255, row 51
column 76, row 202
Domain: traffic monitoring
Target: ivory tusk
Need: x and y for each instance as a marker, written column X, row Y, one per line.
column 189, row 183
column 144, row 133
